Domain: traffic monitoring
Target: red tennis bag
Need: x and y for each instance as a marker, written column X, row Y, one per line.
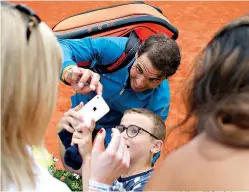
column 136, row 20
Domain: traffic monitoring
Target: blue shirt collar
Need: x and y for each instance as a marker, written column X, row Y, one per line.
column 145, row 94
column 122, row 76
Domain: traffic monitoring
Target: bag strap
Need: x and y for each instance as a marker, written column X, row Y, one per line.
column 129, row 53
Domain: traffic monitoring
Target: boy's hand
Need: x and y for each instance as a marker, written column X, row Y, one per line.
column 71, row 119
column 83, row 138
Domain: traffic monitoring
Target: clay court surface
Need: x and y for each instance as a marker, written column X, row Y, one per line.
column 196, row 22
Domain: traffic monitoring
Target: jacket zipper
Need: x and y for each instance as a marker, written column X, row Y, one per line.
column 116, row 95
column 121, row 92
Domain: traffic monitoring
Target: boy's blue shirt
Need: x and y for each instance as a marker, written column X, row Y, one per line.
column 104, row 51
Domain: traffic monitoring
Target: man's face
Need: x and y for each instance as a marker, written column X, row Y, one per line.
column 143, row 75
column 140, row 145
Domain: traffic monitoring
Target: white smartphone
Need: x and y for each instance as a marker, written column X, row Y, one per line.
column 95, row 109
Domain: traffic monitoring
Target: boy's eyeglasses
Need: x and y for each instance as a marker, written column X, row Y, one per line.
column 133, row 130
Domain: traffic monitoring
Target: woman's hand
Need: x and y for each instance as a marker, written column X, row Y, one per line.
column 108, row 165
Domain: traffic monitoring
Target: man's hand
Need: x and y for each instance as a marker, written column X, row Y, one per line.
column 83, row 81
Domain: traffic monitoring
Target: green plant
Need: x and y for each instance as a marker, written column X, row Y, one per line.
column 73, row 181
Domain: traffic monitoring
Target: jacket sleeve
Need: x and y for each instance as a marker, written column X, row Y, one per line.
column 88, row 52
column 160, row 101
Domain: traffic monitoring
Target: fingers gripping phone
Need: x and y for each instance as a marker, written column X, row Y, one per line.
column 95, row 109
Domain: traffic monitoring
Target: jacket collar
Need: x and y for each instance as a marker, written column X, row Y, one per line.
column 122, row 76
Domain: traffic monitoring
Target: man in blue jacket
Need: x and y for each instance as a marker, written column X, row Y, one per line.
column 141, row 84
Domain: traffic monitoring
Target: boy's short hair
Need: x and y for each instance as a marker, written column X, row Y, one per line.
column 159, row 129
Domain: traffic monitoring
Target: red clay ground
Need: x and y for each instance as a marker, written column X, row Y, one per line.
column 196, row 22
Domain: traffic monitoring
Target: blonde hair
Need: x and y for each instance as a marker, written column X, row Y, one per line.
column 30, row 71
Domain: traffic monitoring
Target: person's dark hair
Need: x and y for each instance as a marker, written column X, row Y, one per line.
column 219, row 93
column 159, row 129
column 163, row 52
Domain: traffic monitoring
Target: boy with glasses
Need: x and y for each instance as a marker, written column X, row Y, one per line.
column 143, row 132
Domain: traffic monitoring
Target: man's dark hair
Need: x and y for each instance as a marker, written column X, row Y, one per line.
column 163, row 52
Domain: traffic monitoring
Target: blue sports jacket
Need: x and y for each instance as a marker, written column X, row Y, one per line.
column 87, row 53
